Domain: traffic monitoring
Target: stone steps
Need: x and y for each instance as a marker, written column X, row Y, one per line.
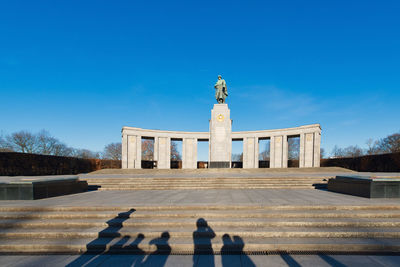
column 176, row 246
column 194, row 188
column 204, row 183
column 168, row 208
column 260, row 229
column 208, row 183
column 242, row 215
column 220, row 179
column 267, row 232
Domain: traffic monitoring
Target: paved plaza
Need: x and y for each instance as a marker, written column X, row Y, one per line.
column 262, row 219
column 204, row 260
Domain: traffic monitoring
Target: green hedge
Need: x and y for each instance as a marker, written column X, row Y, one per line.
column 13, row 164
column 371, row 163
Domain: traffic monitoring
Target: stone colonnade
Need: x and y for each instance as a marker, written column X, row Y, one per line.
column 310, row 140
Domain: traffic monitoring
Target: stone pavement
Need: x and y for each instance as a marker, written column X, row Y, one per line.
column 203, row 260
column 264, row 197
column 271, row 218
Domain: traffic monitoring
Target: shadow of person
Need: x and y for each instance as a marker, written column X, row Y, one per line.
column 203, row 254
column 132, row 254
column 232, row 253
column 98, row 247
column 227, row 251
column 239, row 245
column 158, row 257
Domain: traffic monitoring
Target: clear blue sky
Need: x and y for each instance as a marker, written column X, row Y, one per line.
column 83, row 69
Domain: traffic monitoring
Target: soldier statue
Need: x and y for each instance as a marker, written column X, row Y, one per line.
column 221, row 91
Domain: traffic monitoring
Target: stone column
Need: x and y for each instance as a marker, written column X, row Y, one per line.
column 220, row 137
column 124, row 156
column 138, row 161
column 155, row 149
column 301, row 156
column 249, row 152
column 278, row 151
column 317, row 149
column 272, row 152
column 164, row 153
column 256, row 152
column 189, row 153
column 132, row 151
column 285, row 152
column 309, row 150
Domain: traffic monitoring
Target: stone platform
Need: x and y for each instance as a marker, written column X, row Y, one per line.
column 37, row 187
column 202, row 226
column 371, row 187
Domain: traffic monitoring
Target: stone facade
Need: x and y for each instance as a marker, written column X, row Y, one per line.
column 220, row 139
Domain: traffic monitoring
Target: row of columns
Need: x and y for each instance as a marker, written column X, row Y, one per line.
column 309, row 151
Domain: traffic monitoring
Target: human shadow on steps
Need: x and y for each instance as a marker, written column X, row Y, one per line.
column 158, row 257
column 100, row 245
column 232, row 253
column 202, row 244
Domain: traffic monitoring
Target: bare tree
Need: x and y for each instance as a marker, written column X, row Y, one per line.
column 293, row 148
column 85, row 154
column 147, row 149
column 353, row 151
column 175, row 155
column 372, row 147
column 22, row 141
column 46, row 144
column 4, row 146
column 113, row 151
column 264, row 155
column 41, row 143
column 322, row 153
column 389, row 144
column 61, row 149
column 350, row 151
column 237, row 157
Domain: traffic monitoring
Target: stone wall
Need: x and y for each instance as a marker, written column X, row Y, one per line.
column 309, row 151
column 371, row 163
column 13, row 164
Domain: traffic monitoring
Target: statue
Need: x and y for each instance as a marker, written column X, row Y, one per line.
column 221, row 91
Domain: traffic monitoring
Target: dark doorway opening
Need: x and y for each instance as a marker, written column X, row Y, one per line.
column 264, row 152
column 293, row 151
column 148, row 153
column 176, row 153
column 202, row 153
column 237, row 153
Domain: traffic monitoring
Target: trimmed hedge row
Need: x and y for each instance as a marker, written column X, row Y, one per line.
column 371, row 163
column 13, row 164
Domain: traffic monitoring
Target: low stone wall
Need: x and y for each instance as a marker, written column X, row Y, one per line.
column 371, row 163
column 16, row 164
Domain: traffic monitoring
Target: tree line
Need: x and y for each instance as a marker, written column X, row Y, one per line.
column 388, row 144
column 45, row 144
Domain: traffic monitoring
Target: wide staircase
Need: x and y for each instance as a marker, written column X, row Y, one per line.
column 200, row 229
column 193, row 183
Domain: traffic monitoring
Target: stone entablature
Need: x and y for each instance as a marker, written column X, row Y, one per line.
column 310, row 140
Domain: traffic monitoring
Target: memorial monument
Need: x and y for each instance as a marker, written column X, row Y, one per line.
column 220, row 138
column 221, row 91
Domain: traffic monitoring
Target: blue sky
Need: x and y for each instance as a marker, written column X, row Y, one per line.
column 84, row 69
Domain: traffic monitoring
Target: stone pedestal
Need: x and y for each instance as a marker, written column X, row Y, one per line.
column 220, row 137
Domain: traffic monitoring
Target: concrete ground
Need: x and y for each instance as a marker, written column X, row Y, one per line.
column 261, row 197
column 240, row 173
column 201, row 260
